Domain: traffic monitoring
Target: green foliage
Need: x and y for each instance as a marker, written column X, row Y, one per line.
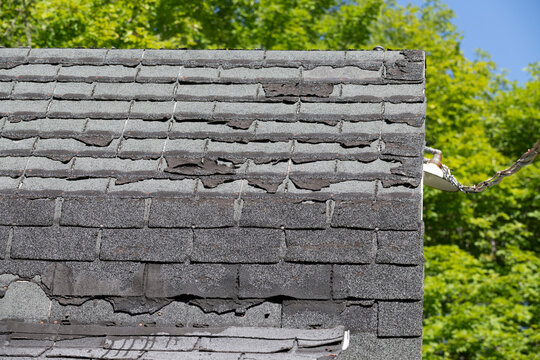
column 482, row 284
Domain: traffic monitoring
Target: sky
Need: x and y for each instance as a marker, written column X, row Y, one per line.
column 509, row 30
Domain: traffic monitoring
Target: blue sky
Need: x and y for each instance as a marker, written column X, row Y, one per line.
column 509, row 30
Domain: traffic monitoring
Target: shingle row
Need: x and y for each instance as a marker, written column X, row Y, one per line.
column 400, row 214
column 410, row 113
column 206, row 58
column 207, row 92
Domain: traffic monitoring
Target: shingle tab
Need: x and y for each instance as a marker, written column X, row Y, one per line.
column 152, row 110
column 347, row 74
column 242, row 92
column 266, row 75
column 185, row 213
column 264, row 281
column 10, row 57
column 38, row 73
column 57, row 187
column 89, row 109
column 67, row 56
column 237, row 245
column 400, row 319
column 29, row 212
column 154, row 245
column 62, row 243
column 400, row 247
column 75, row 91
column 331, row 246
column 158, row 74
column 378, row 281
column 5, row 89
column 103, row 212
column 98, row 278
column 270, row 111
column 129, row 91
column 107, row 73
column 32, row 91
column 335, row 111
column 129, row 57
column 275, row 214
column 23, row 109
column 205, row 280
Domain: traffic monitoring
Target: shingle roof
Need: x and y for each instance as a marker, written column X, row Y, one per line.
column 249, row 188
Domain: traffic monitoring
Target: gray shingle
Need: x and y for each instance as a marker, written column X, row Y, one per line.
column 5, row 89
column 158, row 74
column 38, row 73
column 133, row 91
column 412, row 114
column 89, row 109
column 204, row 130
column 193, row 110
column 11, row 57
column 202, row 57
column 336, row 111
column 13, row 166
column 32, row 91
column 331, row 151
column 198, row 75
column 150, row 110
column 55, row 243
column 146, row 129
column 98, row 278
column 378, row 281
column 258, row 152
column 400, row 319
column 237, row 245
column 43, row 167
column 205, row 280
column 108, row 128
column 390, row 92
column 129, row 57
column 16, row 147
column 107, row 73
column 296, row 130
column 347, row 74
column 304, row 58
column 65, row 149
column 299, row 215
column 67, row 56
column 23, row 109
column 361, row 170
column 403, row 70
column 272, row 111
column 141, row 149
column 400, row 247
column 8, row 185
column 75, row 91
column 155, row 188
column 387, row 215
column 57, row 187
column 331, row 246
column 266, row 75
column 155, row 245
column 370, row 347
column 263, row 281
column 216, row 92
column 103, row 212
column 29, row 212
column 185, row 213
column 359, row 56
column 185, row 147
column 326, row 314
column 85, row 166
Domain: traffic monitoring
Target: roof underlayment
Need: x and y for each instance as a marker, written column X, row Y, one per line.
column 241, row 204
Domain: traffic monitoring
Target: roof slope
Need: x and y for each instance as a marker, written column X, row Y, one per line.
column 214, row 188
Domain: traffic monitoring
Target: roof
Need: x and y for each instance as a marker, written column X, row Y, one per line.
column 214, row 188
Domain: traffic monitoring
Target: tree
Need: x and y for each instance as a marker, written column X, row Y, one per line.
column 482, row 285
